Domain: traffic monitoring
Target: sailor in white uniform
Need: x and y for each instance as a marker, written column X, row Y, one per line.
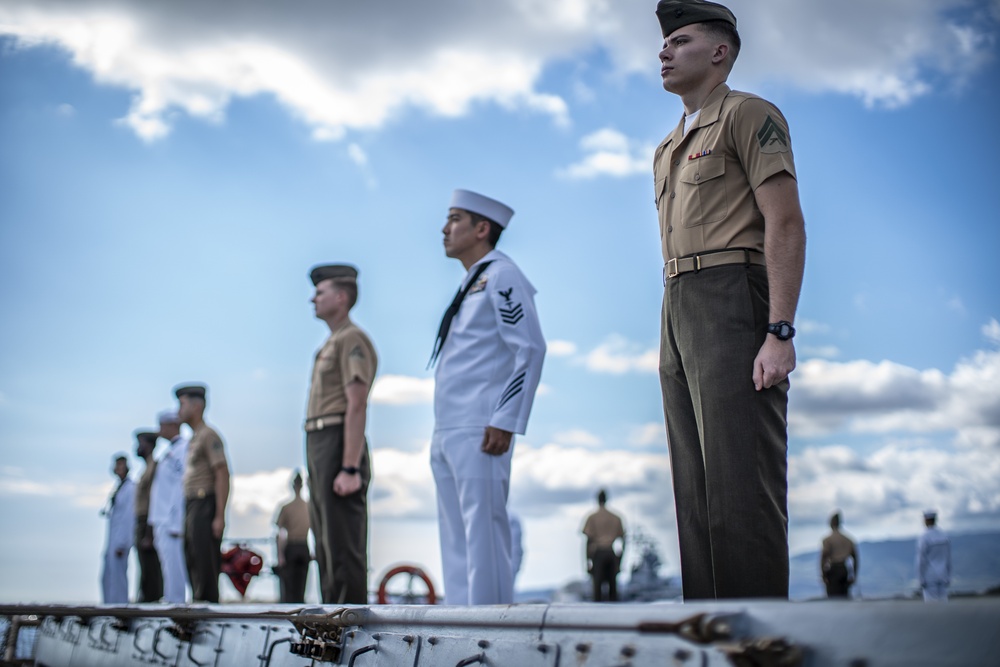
column 933, row 560
column 489, row 356
column 120, row 512
column 166, row 509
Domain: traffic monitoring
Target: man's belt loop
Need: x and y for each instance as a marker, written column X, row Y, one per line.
column 746, row 258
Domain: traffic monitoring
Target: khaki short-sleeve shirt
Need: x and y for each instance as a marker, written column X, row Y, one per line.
column 142, row 489
column 294, row 519
column 602, row 528
column 704, row 181
column 205, row 451
column 347, row 355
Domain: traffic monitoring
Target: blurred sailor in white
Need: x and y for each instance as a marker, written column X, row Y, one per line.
column 933, row 560
column 120, row 512
column 489, row 354
column 166, row 509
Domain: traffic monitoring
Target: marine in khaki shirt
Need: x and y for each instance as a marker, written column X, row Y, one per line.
column 733, row 241
column 336, row 449
column 206, row 493
column 602, row 529
column 837, row 550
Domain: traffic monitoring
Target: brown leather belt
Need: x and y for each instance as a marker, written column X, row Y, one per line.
column 319, row 423
column 705, row 260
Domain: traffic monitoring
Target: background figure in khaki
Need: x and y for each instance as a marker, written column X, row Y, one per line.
column 206, row 493
column 120, row 512
column 150, row 577
column 603, row 528
column 837, row 549
column 933, row 560
column 336, row 449
column 293, row 545
column 166, row 509
column 733, row 241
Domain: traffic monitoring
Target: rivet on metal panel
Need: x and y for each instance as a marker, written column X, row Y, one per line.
column 682, row 654
column 409, row 639
column 628, row 651
column 484, row 643
column 543, row 648
column 377, row 636
column 432, row 640
column 583, row 648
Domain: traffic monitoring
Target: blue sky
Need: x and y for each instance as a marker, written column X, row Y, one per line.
column 167, row 180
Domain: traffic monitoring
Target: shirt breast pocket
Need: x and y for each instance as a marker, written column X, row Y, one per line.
column 702, row 191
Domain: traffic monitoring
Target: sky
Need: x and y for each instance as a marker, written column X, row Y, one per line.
column 169, row 172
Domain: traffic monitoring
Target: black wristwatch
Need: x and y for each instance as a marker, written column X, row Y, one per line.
column 351, row 470
column 783, row 330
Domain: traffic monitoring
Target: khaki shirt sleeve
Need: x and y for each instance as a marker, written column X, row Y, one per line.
column 356, row 359
column 762, row 141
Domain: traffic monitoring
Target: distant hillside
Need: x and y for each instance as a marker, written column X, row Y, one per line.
column 887, row 568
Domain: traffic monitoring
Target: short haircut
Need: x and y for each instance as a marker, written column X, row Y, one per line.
column 495, row 228
column 726, row 31
column 348, row 287
column 602, row 497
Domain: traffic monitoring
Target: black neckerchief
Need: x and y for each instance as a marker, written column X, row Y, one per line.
column 449, row 314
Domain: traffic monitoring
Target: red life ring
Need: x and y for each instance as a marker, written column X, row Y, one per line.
column 413, row 571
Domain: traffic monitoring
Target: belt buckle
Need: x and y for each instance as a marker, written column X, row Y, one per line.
column 319, row 424
column 671, row 272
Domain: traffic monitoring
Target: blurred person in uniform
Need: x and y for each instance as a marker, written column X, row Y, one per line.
column 603, row 529
column 933, row 560
column 489, row 352
column 837, row 550
column 337, row 455
column 293, row 545
column 150, row 578
column 206, row 493
column 516, row 544
column 733, row 241
column 120, row 512
column 166, row 509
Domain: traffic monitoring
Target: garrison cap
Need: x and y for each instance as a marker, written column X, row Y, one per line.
column 196, row 390
column 147, row 436
column 337, row 272
column 674, row 14
column 496, row 211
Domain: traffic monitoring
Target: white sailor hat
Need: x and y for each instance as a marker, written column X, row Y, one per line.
column 488, row 208
column 930, row 514
column 168, row 417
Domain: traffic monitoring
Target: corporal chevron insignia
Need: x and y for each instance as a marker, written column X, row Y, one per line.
column 771, row 137
column 510, row 313
column 512, row 390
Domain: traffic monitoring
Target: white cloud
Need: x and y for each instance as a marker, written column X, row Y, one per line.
column 608, row 152
column 17, row 484
column 341, row 67
column 651, row 434
column 262, row 491
column 560, row 348
column 66, row 110
column 811, row 327
column 617, row 355
column 578, row 437
column 402, row 390
column 991, row 330
column 866, row 397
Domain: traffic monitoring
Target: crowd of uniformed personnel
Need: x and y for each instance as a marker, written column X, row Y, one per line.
column 733, row 240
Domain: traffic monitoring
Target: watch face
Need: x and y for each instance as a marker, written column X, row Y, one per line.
column 783, row 331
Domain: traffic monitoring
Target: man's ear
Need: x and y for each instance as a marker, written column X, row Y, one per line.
column 721, row 52
column 482, row 229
